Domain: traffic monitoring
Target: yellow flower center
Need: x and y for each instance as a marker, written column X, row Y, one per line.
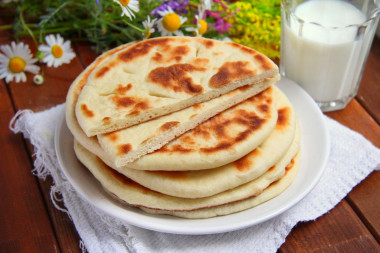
column 57, row 51
column 203, row 26
column 16, row 64
column 171, row 22
column 124, row 2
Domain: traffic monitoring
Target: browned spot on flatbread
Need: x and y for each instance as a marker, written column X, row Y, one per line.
column 139, row 107
column 168, row 125
column 197, row 106
column 113, row 136
column 201, row 62
column 171, row 53
column 87, row 112
column 220, row 146
column 143, row 48
column 272, row 168
column 208, row 43
column 290, row 166
column 231, row 71
column 188, row 139
column 264, row 62
column 194, row 115
column 287, row 169
column 174, row 148
column 181, row 175
column 176, row 78
column 244, row 88
column 101, row 72
column 283, row 117
column 123, row 101
column 123, row 89
column 124, row 149
column 136, row 104
column 245, row 163
column 106, row 120
column 181, row 50
column 158, row 57
column 244, row 49
column 264, row 108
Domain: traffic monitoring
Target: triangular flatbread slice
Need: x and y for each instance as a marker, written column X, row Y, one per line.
column 162, row 75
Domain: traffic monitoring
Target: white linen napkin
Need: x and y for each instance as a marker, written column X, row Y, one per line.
column 102, row 233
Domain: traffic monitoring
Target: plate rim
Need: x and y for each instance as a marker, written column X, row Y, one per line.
column 175, row 225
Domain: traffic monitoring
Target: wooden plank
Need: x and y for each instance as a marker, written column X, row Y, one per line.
column 365, row 197
column 356, row 118
column 37, row 98
column 369, row 91
column 85, row 54
column 25, row 224
column 342, row 229
column 338, row 231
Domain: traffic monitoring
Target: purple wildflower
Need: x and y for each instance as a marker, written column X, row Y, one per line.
column 178, row 6
column 221, row 26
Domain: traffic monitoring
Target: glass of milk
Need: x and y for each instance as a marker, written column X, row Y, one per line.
column 324, row 46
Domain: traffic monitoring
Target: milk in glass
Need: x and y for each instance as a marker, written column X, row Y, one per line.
column 321, row 49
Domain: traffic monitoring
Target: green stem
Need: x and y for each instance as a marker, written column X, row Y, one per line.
column 5, row 27
column 134, row 27
column 26, row 27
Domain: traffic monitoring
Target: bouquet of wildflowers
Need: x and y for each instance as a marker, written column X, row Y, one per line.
column 108, row 23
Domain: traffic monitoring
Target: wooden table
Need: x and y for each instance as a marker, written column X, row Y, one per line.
column 30, row 222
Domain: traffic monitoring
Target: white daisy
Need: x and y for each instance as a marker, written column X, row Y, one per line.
column 16, row 60
column 148, row 26
column 127, row 6
column 38, row 79
column 57, row 51
column 201, row 27
column 170, row 23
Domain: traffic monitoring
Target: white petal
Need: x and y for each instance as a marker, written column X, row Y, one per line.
column 178, row 33
column 17, row 77
column 9, row 78
column 50, row 40
column 32, row 69
column 59, row 40
column 23, row 76
column 7, row 51
column 44, row 48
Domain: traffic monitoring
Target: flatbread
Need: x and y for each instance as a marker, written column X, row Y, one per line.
column 162, row 75
column 272, row 191
column 203, row 183
column 134, row 194
column 226, row 137
column 72, row 96
column 152, row 135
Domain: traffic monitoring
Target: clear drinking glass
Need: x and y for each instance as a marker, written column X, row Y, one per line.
column 324, row 46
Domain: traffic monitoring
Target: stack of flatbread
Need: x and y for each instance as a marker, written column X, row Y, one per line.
column 190, row 127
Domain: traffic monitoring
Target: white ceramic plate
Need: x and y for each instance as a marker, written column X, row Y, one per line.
column 315, row 150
